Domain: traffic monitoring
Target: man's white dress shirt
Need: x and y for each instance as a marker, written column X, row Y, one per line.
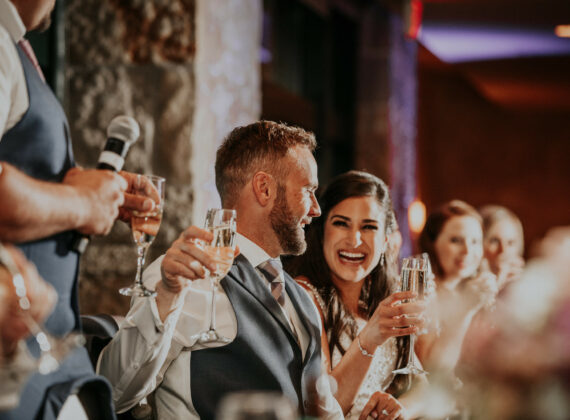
column 148, row 354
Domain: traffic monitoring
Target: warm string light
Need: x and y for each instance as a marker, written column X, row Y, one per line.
column 562, row 31
column 416, row 216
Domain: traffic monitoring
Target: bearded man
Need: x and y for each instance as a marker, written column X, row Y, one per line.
column 267, row 173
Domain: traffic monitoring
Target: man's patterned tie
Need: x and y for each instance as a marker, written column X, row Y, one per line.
column 272, row 270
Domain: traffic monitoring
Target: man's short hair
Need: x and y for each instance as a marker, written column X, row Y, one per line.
column 252, row 148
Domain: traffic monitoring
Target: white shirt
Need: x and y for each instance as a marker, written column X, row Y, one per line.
column 147, row 354
column 14, row 100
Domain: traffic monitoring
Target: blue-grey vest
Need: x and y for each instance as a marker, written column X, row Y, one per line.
column 264, row 355
column 40, row 145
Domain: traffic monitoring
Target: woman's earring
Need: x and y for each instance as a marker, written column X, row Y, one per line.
column 383, row 259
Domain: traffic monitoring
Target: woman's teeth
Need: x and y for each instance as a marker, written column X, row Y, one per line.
column 351, row 256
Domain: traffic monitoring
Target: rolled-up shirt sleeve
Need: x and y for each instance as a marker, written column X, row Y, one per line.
column 135, row 360
column 138, row 357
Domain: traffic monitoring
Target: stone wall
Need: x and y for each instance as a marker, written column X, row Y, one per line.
column 138, row 58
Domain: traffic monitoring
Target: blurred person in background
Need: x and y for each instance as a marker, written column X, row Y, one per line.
column 350, row 270
column 503, row 247
column 503, row 243
column 453, row 239
column 13, row 328
column 521, row 369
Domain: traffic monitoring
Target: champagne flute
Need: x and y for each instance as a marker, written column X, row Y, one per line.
column 222, row 224
column 413, row 278
column 52, row 349
column 144, row 226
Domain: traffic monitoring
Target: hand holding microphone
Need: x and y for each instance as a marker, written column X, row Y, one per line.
column 105, row 193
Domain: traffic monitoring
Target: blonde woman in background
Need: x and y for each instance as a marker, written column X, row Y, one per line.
column 503, row 243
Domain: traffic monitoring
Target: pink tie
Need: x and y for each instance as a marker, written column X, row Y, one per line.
column 25, row 44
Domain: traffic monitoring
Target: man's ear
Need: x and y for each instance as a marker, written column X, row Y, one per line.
column 264, row 188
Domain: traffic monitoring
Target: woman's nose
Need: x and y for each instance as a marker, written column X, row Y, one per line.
column 354, row 238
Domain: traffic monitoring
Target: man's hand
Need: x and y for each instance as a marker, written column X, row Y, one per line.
column 42, row 297
column 186, row 259
column 137, row 202
column 101, row 194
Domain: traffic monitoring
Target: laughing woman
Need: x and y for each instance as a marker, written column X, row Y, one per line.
column 350, row 272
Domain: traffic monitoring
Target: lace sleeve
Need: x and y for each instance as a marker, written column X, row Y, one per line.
column 313, row 290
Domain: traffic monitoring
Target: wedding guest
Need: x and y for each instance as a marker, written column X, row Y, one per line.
column 520, row 369
column 44, row 202
column 350, row 269
column 267, row 173
column 453, row 238
column 503, row 243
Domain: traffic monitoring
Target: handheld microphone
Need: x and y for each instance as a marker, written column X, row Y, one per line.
column 122, row 132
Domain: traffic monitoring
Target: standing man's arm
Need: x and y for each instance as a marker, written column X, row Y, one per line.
column 86, row 200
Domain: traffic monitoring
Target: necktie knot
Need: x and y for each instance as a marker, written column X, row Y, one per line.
column 27, row 48
column 272, row 270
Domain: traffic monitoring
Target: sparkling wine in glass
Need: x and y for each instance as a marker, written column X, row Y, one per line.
column 222, row 224
column 413, row 278
column 52, row 349
column 144, row 226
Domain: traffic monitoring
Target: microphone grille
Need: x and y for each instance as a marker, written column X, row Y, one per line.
column 124, row 128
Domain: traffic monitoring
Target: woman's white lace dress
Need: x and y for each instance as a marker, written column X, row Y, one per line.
column 379, row 373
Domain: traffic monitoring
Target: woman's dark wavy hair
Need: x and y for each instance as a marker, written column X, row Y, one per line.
column 379, row 284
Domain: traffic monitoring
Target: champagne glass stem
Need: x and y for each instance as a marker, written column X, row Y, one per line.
column 141, row 252
column 213, row 305
column 411, row 358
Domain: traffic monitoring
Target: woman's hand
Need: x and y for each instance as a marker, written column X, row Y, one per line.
column 481, row 290
column 383, row 406
column 510, row 268
column 392, row 318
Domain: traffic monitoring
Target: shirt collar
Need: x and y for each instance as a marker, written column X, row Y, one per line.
column 11, row 20
column 250, row 250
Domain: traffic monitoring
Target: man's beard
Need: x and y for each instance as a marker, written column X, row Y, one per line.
column 286, row 225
